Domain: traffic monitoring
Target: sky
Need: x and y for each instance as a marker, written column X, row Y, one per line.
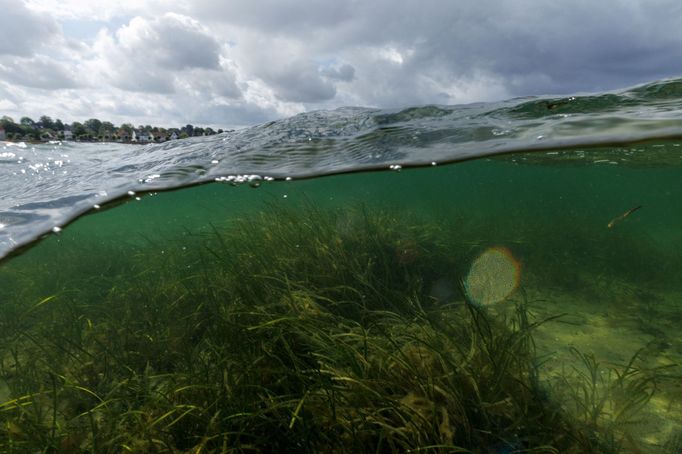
column 231, row 63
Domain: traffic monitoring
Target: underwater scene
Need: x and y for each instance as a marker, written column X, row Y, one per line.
column 529, row 301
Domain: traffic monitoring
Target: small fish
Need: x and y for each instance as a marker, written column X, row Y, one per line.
column 617, row 219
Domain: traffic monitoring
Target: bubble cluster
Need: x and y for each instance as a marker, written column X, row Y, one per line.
column 252, row 180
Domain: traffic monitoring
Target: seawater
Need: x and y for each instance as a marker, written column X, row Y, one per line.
column 324, row 313
column 617, row 289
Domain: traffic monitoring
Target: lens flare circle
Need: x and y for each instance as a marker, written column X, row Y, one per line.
column 493, row 276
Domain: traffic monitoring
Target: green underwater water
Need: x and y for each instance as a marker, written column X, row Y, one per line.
column 328, row 314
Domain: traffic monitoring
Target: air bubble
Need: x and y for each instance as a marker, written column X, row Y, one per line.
column 150, row 178
column 254, row 180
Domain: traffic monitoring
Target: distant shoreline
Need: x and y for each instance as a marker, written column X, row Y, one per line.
column 39, row 142
column 93, row 130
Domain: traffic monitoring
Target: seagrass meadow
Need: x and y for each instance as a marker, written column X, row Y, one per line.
column 332, row 315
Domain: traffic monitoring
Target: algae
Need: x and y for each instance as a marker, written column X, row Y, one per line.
column 295, row 330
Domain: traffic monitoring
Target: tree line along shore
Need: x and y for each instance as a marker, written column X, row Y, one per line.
column 93, row 130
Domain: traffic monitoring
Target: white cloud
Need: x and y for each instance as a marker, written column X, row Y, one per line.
column 22, row 31
column 171, row 41
column 7, row 105
column 298, row 81
column 39, row 71
column 160, row 54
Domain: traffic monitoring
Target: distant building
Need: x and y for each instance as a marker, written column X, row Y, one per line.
column 173, row 136
column 2, row 133
column 46, row 134
column 122, row 135
column 141, row 136
column 68, row 135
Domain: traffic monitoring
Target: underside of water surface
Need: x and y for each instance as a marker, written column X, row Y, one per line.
column 353, row 313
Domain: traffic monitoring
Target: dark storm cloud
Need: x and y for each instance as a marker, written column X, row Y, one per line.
column 344, row 73
column 298, row 82
column 232, row 115
column 576, row 46
column 278, row 16
column 526, row 46
column 21, row 30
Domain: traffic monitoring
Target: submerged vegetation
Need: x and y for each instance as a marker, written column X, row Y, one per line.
column 311, row 330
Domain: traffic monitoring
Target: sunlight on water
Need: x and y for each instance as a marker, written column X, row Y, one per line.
column 49, row 185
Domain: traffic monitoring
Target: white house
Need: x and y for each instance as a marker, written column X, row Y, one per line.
column 141, row 136
column 173, row 136
column 2, row 133
column 68, row 135
column 122, row 135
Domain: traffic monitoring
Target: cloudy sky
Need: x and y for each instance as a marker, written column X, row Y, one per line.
column 228, row 63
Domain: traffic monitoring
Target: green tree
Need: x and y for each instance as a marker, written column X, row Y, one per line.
column 10, row 126
column 58, row 125
column 27, row 121
column 28, row 127
column 92, row 125
column 46, row 122
column 107, row 126
column 127, row 127
column 106, row 131
column 78, row 129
